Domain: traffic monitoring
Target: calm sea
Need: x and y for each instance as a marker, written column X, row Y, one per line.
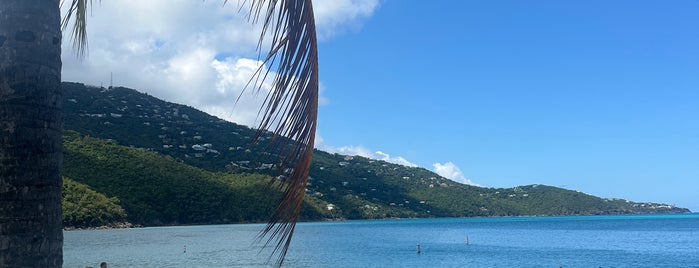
column 586, row 241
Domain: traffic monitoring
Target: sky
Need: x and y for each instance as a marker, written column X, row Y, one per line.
column 596, row 96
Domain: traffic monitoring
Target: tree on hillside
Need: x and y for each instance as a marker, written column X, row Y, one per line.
column 31, row 124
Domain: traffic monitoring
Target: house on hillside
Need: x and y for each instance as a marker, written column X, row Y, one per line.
column 198, row 147
column 266, row 166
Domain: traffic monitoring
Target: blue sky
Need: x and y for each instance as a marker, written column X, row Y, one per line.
column 596, row 96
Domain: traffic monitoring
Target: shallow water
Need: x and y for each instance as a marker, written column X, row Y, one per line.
column 585, row 241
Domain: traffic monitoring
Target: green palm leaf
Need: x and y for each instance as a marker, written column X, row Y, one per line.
column 78, row 8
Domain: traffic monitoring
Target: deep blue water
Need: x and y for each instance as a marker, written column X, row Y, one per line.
column 585, row 241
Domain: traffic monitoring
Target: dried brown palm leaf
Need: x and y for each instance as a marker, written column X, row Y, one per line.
column 290, row 108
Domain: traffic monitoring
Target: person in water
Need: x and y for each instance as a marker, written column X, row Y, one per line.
column 103, row 265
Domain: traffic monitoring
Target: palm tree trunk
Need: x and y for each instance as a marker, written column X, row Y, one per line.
column 30, row 134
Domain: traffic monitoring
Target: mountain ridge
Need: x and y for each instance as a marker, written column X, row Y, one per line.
column 342, row 187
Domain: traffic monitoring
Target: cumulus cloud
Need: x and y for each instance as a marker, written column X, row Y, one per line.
column 191, row 52
column 353, row 12
column 450, row 171
column 397, row 159
column 365, row 152
column 361, row 151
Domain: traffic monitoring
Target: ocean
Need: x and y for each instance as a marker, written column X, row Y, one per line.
column 574, row 241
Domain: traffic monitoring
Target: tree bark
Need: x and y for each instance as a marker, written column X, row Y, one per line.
column 31, row 232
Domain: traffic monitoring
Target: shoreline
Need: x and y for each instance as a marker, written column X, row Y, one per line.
column 128, row 225
column 118, row 225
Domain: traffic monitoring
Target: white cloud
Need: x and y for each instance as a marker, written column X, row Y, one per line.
column 361, row 151
column 450, row 171
column 397, row 159
column 191, row 52
column 232, row 76
column 336, row 16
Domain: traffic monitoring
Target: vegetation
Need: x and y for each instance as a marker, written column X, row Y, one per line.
column 158, row 190
column 390, row 190
column 84, row 207
column 161, row 179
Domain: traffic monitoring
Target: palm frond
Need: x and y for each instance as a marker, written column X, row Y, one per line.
column 78, row 8
column 290, row 108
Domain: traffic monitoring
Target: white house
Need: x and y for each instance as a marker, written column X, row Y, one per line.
column 198, row 147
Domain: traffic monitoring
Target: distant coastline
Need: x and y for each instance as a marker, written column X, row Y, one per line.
column 118, row 225
column 126, row 225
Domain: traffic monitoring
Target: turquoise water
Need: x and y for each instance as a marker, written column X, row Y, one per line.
column 586, row 241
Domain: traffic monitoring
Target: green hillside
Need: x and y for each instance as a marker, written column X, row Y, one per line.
column 171, row 164
column 138, row 120
column 159, row 190
column 364, row 188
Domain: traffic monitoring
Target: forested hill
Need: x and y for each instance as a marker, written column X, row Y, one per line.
column 166, row 163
